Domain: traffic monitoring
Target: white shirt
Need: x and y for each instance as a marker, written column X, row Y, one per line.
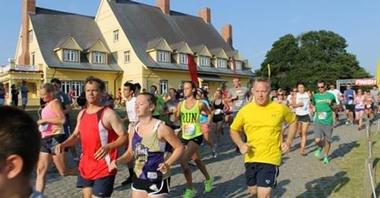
column 130, row 108
column 337, row 95
column 305, row 100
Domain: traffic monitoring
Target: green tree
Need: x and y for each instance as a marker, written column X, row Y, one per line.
column 312, row 56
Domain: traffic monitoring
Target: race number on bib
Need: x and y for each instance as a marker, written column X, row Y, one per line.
column 189, row 129
column 322, row 115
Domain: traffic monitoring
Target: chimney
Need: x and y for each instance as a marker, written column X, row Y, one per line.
column 205, row 14
column 28, row 7
column 164, row 5
column 227, row 34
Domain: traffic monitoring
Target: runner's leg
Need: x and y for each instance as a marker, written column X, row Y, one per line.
column 42, row 166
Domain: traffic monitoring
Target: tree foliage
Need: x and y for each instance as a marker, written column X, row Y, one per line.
column 312, row 56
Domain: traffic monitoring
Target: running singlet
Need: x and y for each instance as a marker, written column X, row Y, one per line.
column 191, row 127
column 49, row 129
column 305, row 99
column 93, row 135
column 349, row 96
column 323, row 109
column 148, row 152
column 359, row 102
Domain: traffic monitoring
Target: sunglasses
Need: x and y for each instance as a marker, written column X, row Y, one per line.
column 321, row 87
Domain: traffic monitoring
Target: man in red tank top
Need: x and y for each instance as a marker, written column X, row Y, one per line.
column 101, row 132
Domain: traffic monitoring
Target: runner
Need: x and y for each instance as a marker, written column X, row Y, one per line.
column 349, row 95
column 375, row 97
column 292, row 99
column 170, row 107
column 20, row 143
column 148, row 141
column 369, row 106
column 323, row 123
column 50, row 126
column 131, row 119
column 359, row 102
column 2, row 94
column 302, row 113
column 160, row 102
column 236, row 96
column 101, row 132
column 14, row 94
column 205, row 119
column 24, row 94
column 261, row 121
column 189, row 112
column 337, row 96
column 218, row 114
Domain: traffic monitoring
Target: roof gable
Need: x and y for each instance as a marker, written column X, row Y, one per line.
column 98, row 47
column 159, row 44
column 235, row 55
column 182, row 47
column 202, row 50
column 219, row 53
column 68, row 43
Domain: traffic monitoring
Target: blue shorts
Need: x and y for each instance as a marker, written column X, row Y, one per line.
column 261, row 174
column 102, row 187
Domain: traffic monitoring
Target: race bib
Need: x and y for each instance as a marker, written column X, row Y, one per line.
column 322, row 115
column 189, row 129
column 43, row 127
column 152, row 175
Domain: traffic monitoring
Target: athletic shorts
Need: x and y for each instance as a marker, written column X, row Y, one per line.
column 48, row 145
column 151, row 188
column 261, row 174
column 198, row 140
column 359, row 109
column 102, row 187
column 350, row 107
column 303, row 118
column 323, row 131
column 218, row 118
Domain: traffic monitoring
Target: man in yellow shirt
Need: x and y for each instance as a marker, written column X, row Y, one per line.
column 261, row 122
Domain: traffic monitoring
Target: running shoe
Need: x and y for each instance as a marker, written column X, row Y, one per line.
column 208, row 185
column 326, row 160
column 318, row 152
column 189, row 193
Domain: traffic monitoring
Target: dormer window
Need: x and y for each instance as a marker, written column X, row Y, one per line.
column 183, row 59
column 70, row 55
column 204, row 61
column 238, row 65
column 163, row 56
column 99, row 57
column 116, row 36
column 221, row 63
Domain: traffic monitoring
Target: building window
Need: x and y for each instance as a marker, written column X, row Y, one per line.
column 163, row 87
column 115, row 35
column 238, row 65
column 98, row 57
column 127, row 56
column 204, row 61
column 33, row 58
column 183, row 59
column 77, row 86
column 221, row 63
column 30, row 36
column 163, row 56
column 70, row 55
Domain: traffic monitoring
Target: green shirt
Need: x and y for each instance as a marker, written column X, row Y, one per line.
column 159, row 104
column 323, row 108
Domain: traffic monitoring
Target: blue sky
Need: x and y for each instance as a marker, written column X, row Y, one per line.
column 256, row 24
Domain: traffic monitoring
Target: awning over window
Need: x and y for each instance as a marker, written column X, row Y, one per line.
column 210, row 78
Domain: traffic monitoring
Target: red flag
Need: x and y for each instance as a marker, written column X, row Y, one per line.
column 193, row 69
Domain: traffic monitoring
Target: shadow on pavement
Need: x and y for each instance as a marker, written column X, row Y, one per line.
column 280, row 189
column 343, row 149
column 325, row 186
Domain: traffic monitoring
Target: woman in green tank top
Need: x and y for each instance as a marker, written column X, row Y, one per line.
column 189, row 112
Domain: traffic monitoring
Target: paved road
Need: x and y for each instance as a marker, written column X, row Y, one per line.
column 300, row 176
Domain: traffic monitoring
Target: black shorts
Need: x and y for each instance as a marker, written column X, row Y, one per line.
column 48, row 145
column 198, row 140
column 303, row 118
column 102, row 187
column 261, row 174
column 218, row 118
column 350, row 107
column 152, row 188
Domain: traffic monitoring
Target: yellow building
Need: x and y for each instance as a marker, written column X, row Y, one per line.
column 125, row 41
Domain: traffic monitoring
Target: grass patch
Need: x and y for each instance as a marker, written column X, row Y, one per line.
column 352, row 165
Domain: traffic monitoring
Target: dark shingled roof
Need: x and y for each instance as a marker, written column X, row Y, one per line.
column 52, row 27
column 144, row 23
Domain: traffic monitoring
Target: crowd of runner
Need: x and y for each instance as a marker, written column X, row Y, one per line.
column 160, row 130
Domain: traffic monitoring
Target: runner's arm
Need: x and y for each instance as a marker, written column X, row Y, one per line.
column 117, row 125
column 164, row 132
column 128, row 154
column 73, row 137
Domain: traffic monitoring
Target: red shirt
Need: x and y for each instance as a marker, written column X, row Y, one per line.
column 93, row 134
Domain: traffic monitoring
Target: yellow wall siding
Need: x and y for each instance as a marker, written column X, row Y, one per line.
column 108, row 23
